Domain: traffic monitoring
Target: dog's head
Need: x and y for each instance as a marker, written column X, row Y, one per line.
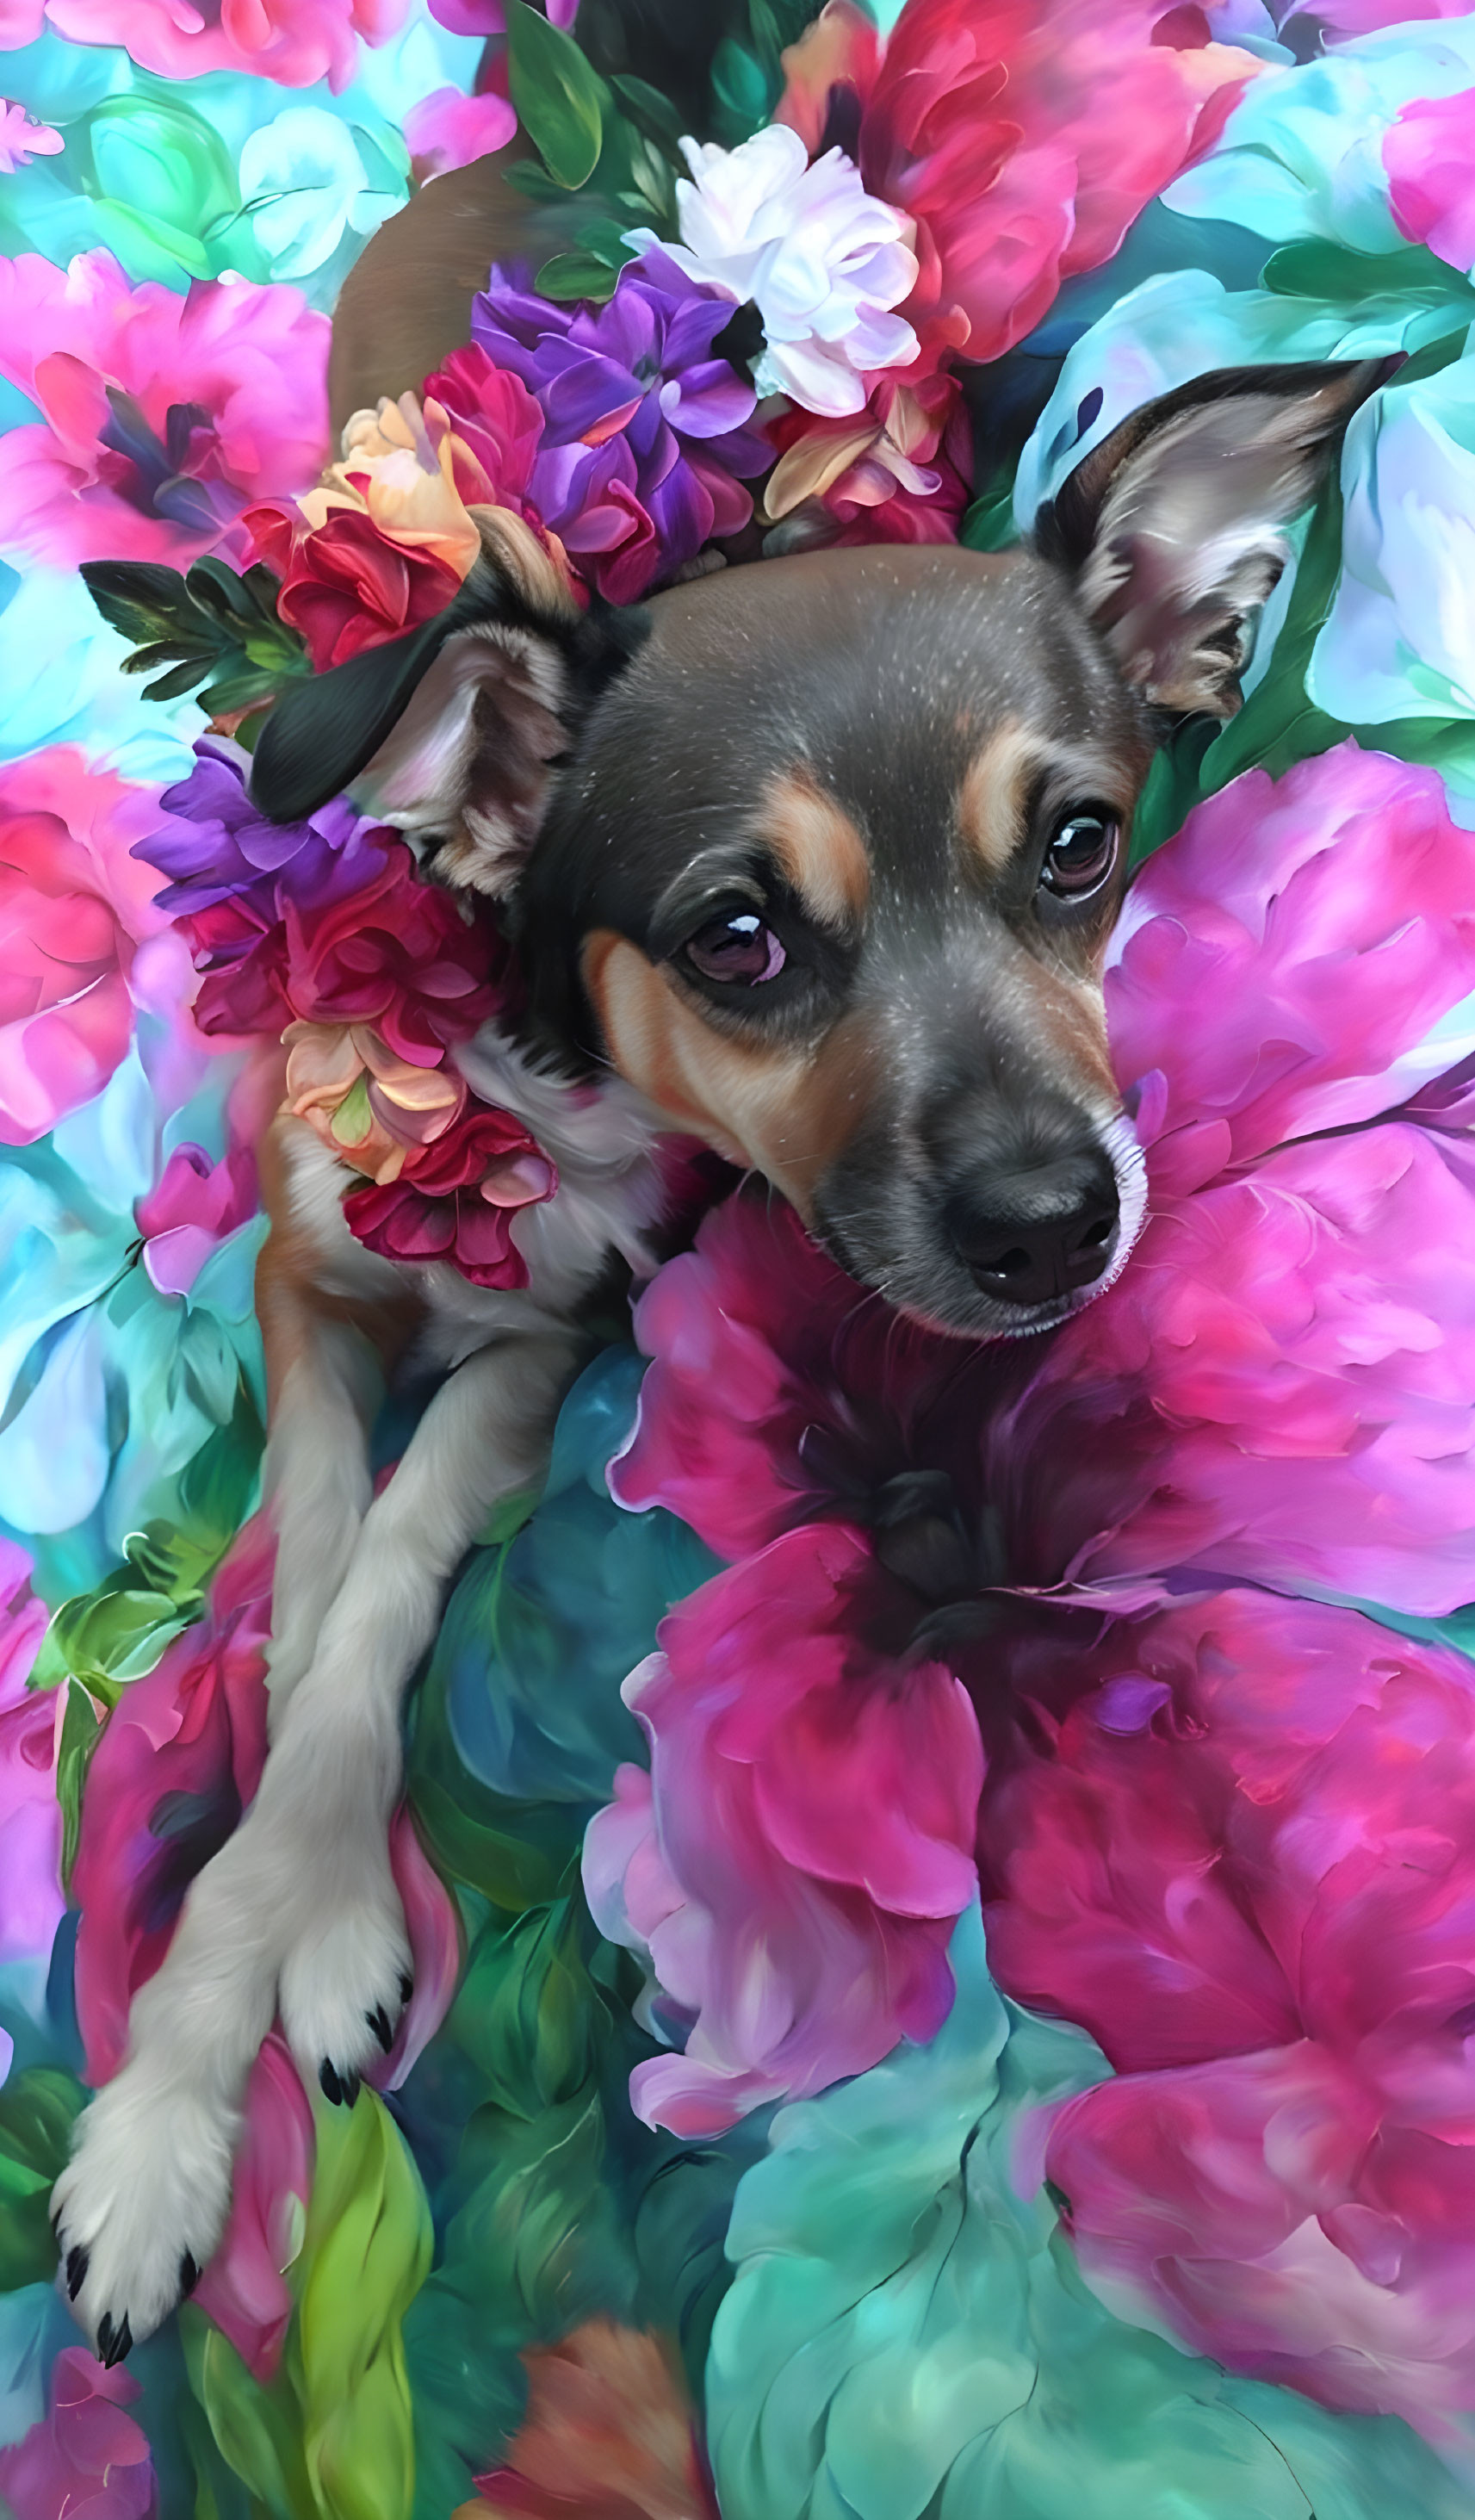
column 823, row 855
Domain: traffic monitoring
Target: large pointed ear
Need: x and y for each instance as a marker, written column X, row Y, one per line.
column 1171, row 527
column 450, row 731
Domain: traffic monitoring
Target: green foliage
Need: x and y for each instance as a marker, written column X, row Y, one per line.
column 559, row 99
column 212, row 627
column 37, row 2107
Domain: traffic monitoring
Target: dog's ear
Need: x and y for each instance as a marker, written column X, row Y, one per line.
column 450, row 731
column 1171, row 527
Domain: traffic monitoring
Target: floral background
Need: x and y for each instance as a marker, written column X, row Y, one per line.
column 942, row 1884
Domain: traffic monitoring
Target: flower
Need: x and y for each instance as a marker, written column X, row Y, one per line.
column 399, row 467
column 825, row 264
column 455, row 1199
column 214, row 845
column 608, row 2431
column 1278, row 1390
column 345, row 584
column 192, row 1208
column 303, row 183
column 22, row 139
column 162, row 417
column 496, row 427
column 295, row 42
column 87, row 2454
column 897, row 472
column 367, row 1105
column 447, row 129
column 1242, row 1859
column 30, row 1821
column 1430, row 193
column 1021, row 141
column 75, row 908
column 642, row 422
column 397, row 954
column 489, row 17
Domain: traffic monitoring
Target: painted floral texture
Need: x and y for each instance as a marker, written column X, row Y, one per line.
column 162, row 417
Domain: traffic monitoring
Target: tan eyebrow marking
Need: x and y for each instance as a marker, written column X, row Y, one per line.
column 991, row 800
column 818, row 846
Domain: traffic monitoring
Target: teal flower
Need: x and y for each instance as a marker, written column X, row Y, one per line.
column 305, row 182
column 906, row 2331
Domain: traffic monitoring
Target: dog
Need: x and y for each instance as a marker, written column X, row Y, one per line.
column 815, row 861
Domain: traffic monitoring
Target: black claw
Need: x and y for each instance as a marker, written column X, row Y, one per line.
column 333, row 2089
column 77, row 2272
column 350, row 2086
column 112, row 2344
column 406, row 1986
column 379, row 2023
column 188, row 2275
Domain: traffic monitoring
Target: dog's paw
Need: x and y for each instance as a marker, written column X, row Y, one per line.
column 345, row 1984
column 141, row 2205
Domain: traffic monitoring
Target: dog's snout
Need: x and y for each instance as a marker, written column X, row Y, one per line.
column 1031, row 1235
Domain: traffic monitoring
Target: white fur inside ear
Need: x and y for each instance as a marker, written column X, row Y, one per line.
column 467, row 763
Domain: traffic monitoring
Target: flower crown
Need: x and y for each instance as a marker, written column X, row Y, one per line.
column 774, row 365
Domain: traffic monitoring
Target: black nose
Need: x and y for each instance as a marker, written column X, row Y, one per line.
column 1032, row 1236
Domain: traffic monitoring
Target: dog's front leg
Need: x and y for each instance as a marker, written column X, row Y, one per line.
column 302, row 1897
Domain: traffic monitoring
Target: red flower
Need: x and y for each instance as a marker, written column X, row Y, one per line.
column 345, row 585
column 456, row 1200
column 497, row 421
column 398, row 955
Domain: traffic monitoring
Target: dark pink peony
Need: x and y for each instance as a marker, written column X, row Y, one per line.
column 162, row 417
column 345, row 585
column 1428, row 152
column 86, row 2455
column 898, row 471
column 1023, row 140
column 455, row 1200
column 31, row 1820
column 193, row 1206
column 75, row 906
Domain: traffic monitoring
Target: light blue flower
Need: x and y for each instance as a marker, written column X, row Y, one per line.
column 302, row 183
column 139, row 1380
column 908, row 2334
column 62, row 682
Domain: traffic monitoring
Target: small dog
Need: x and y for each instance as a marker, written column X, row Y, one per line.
column 816, row 861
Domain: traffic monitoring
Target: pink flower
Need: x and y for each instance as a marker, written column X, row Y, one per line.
column 898, row 471
column 74, row 905
column 489, row 17
column 86, row 2456
column 1427, row 153
column 1278, row 1389
column 162, row 417
column 456, row 1197
column 30, row 1821
column 190, row 1209
column 1244, row 1859
column 179, row 1759
column 21, row 138
column 292, row 41
column 1023, row 140
column 807, row 1931
column 365, row 1105
column 496, row 423
column 447, row 129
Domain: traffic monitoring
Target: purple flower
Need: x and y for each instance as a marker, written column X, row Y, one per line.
column 217, row 847
column 643, row 430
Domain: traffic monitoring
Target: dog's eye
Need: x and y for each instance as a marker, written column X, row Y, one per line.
column 739, row 949
column 1081, row 855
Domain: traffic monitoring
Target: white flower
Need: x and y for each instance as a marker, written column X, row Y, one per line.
column 303, row 182
column 823, row 262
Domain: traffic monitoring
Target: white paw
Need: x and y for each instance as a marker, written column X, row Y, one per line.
column 141, row 2205
column 346, row 1978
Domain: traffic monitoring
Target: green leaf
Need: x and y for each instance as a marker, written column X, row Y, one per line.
column 213, row 623
column 80, row 1727
column 567, row 277
column 36, row 2111
column 257, row 2431
column 559, row 99
column 652, row 114
column 365, row 2255
column 742, row 93
column 526, row 2012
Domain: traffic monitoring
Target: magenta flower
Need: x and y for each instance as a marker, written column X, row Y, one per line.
column 292, row 41
column 162, row 417
column 1427, row 154
column 456, row 1197
column 87, row 2455
column 447, row 129
column 190, row 1209
column 75, row 907
column 643, row 421
column 30, row 1821
column 1277, row 1389
column 1244, row 1859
